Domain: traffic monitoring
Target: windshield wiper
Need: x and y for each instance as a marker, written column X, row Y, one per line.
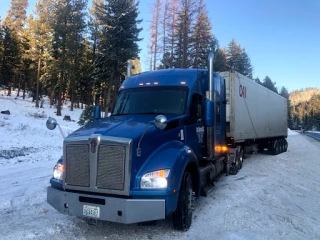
column 148, row 113
column 119, row 114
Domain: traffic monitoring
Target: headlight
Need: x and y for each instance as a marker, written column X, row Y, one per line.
column 58, row 171
column 155, row 180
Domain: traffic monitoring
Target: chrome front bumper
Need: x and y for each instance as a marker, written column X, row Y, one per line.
column 112, row 209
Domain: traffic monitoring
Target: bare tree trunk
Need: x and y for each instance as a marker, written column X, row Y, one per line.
column 19, row 85
column 108, row 96
column 24, row 87
column 9, row 90
column 60, row 94
column 72, row 97
column 105, row 97
column 38, row 79
column 81, row 100
column 52, row 97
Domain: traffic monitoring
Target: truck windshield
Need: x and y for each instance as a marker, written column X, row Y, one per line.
column 153, row 100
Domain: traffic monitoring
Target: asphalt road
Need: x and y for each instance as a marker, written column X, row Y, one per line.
column 315, row 135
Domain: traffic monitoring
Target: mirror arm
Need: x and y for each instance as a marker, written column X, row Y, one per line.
column 61, row 131
column 145, row 129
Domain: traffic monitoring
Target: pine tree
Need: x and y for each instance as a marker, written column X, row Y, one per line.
column 154, row 30
column 1, row 51
column 171, row 28
column 75, row 44
column 234, row 55
column 203, row 40
column 269, row 84
column 15, row 22
column 10, row 57
column 184, row 42
column 69, row 27
column 94, row 26
column 246, row 68
column 257, row 80
column 61, row 26
column 16, row 17
column 238, row 59
column 119, row 41
column 220, row 60
column 41, row 32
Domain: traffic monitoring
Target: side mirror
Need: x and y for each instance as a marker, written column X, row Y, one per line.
column 51, row 123
column 160, row 122
column 209, row 114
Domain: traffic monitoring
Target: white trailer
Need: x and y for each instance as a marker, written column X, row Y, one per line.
column 253, row 112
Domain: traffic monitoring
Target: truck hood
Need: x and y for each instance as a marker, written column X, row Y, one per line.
column 125, row 126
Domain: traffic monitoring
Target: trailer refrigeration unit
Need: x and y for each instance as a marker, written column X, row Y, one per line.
column 170, row 134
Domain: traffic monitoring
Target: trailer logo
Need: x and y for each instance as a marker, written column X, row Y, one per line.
column 242, row 91
column 93, row 144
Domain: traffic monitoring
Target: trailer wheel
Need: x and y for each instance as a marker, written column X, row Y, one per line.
column 285, row 145
column 182, row 217
column 278, row 149
column 275, row 147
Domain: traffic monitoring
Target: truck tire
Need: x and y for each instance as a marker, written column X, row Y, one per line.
column 241, row 158
column 182, row 217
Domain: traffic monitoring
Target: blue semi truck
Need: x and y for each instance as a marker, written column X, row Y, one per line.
column 171, row 133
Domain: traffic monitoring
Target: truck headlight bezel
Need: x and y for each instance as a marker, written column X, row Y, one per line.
column 58, row 171
column 155, row 180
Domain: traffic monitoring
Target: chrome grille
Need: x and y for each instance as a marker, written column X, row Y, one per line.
column 111, row 164
column 77, row 165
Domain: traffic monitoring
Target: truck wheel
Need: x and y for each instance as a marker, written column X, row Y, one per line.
column 182, row 217
column 241, row 158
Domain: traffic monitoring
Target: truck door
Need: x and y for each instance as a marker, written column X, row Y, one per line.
column 194, row 126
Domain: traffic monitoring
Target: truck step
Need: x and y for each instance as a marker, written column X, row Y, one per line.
column 205, row 191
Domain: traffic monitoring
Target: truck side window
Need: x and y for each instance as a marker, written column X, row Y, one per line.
column 196, row 108
column 218, row 113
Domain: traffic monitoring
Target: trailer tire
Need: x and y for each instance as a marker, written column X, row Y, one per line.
column 182, row 217
column 285, row 145
column 278, row 147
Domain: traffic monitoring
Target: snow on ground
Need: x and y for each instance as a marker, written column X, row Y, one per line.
column 272, row 197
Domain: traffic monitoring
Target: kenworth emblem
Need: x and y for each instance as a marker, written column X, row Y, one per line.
column 93, row 144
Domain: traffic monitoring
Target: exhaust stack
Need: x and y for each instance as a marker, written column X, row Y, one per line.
column 129, row 67
column 211, row 97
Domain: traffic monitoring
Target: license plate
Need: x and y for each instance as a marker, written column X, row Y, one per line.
column 91, row 211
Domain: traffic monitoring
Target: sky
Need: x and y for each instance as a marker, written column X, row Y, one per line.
column 281, row 37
